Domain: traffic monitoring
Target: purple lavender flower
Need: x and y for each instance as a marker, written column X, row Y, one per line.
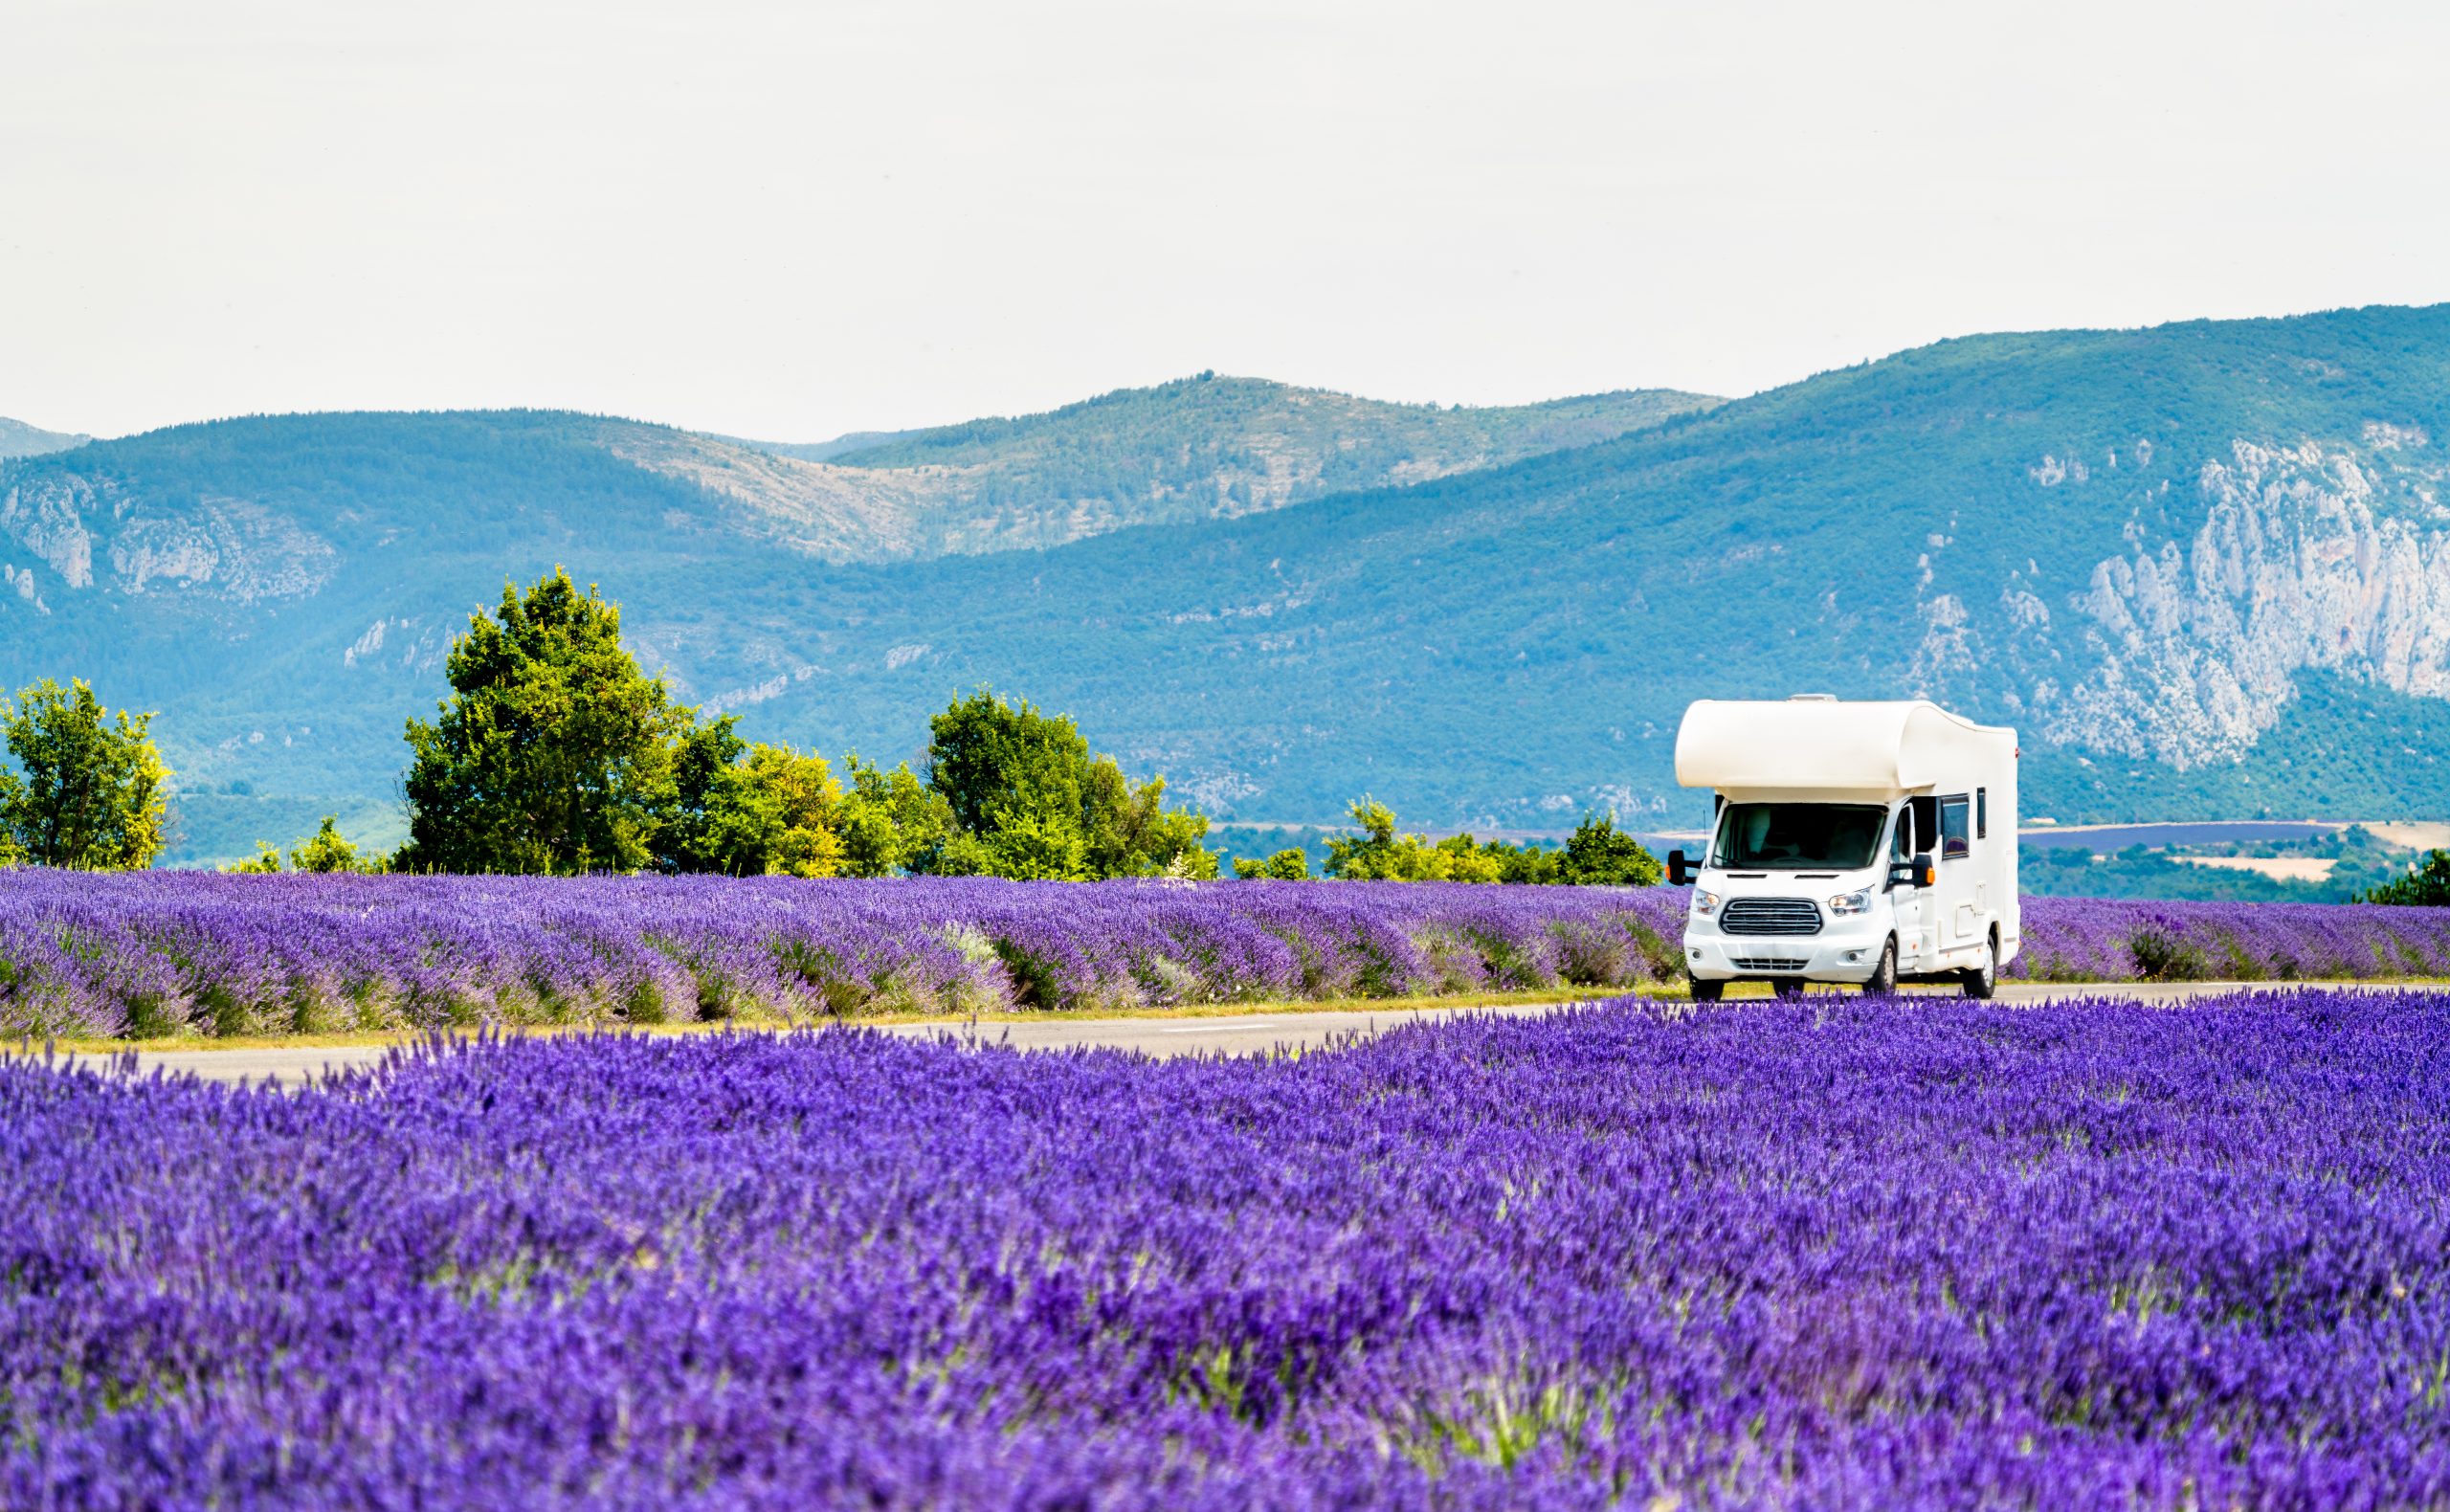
column 1830, row 1253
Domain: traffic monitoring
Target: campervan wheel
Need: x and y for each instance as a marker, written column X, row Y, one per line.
column 1984, row 980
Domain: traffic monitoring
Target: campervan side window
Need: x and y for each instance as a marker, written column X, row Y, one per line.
column 1953, row 840
column 1982, row 814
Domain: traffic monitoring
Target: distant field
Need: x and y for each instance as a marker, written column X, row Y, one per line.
column 2119, row 836
column 2280, row 868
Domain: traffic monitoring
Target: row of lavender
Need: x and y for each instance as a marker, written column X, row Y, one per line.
column 1844, row 1254
column 154, row 953
column 157, row 953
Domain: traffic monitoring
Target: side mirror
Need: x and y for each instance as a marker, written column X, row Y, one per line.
column 1926, row 873
column 1679, row 871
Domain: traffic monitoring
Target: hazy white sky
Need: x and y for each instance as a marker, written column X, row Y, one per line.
column 790, row 220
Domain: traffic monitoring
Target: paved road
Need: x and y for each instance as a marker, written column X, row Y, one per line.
column 1155, row 1036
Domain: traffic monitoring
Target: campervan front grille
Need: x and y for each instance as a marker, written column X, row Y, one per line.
column 1771, row 915
column 1768, row 963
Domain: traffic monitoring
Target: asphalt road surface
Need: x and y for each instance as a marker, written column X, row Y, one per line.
column 1257, row 1032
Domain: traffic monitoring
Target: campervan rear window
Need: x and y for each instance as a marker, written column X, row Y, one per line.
column 1954, row 835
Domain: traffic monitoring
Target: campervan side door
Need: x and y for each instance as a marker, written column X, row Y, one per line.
column 1904, row 898
column 1956, row 907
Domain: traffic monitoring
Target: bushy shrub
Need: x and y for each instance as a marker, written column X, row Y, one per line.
column 1290, row 865
column 2164, row 955
column 2426, row 886
column 1597, row 854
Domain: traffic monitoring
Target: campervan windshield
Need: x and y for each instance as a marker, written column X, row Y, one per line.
column 1798, row 837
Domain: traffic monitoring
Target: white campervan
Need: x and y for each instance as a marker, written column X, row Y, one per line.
column 1867, row 843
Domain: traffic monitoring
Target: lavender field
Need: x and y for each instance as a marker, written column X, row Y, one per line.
column 1836, row 1254
column 161, row 953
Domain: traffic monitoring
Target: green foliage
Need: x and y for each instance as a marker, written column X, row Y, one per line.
column 890, row 821
column 776, row 815
column 266, row 863
column 326, row 850
column 749, row 810
column 1290, row 865
column 1596, row 854
column 2427, row 885
column 1378, row 854
column 1599, row 855
column 1027, row 799
column 557, row 755
column 89, row 791
column 554, row 753
column 703, row 782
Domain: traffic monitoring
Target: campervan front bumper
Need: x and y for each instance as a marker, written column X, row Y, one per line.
column 1845, row 949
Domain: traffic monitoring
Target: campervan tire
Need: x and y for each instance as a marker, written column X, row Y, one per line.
column 1705, row 991
column 1882, row 982
column 1984, row 980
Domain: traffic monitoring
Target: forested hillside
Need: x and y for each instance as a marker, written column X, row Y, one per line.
column 1209, row 447
column 2204, row 569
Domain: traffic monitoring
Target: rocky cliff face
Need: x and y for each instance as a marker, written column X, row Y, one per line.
column 2321, row 555
column 88, row 532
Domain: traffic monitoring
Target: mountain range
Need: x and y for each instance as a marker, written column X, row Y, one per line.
column 20, row 439
column 2203, row 568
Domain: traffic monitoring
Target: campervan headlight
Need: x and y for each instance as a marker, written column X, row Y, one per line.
column 1704, row 903
column 1854, row 902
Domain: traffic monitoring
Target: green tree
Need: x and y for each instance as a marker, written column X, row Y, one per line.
column 267, row 861
column 770, row 813
column 1376, row 855
column 326, row 850
column 90, row 792
column 553, row 754
column 2427, row 885
column 1027, row 799
column 1599, row 855
column 1379, row 853
column 701, row 780
column 1290, row 865
column 890, row 821
column 1131, row 833
column 1531, row 866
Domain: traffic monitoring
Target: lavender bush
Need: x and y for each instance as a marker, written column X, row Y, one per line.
column 1833, row 1254
column 185, row 952
column 2105, row 940
column 149, row 953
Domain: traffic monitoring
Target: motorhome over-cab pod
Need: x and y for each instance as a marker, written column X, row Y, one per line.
column 1819, row 747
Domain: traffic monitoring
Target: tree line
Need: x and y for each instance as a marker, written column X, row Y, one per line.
column 555, row 754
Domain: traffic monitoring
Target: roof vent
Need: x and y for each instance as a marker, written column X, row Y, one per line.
column 1811, row 698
